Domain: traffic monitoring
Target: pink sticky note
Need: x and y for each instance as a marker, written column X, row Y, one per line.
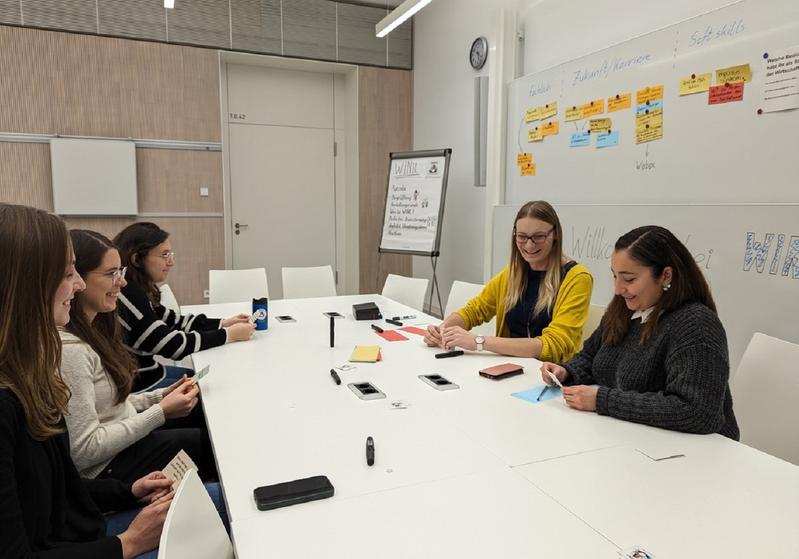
column 725, row 93
column 392, row 336
column 414, row 330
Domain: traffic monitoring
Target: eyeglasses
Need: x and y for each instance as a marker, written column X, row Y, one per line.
column 537, row 238
column 114, row 275
column 168, row 255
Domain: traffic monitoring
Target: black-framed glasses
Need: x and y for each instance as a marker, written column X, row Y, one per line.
column 114, row 275
column 537, row 238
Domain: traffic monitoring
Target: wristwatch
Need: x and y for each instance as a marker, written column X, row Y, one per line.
column 479, row 340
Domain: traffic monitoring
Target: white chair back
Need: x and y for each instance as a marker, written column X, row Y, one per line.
column 405, row 290
column 316, row 281
column 193, row 529
column 595, row 313
column 235, row 286
column 168, row 298
column 460, row 294
column 765, row 390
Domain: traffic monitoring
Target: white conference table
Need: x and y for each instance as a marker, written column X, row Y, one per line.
column 463, row 473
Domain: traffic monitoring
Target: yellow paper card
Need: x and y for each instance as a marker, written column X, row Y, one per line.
column 595, row 107
column 550, row 128
column 734, row 74
column 696, row 83
column 527, row 170
column 648, row 134
column 548, row 110
column 619, row 102
column 599, row 125
column 524, row 158
column 649, row 94
column 535, row 135
column 532, row 115
column 365, row 354
column 574, row 113
column 650, row 120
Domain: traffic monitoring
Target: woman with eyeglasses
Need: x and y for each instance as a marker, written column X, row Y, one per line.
column 540, row 300
column 150, row 328
column 113, row 433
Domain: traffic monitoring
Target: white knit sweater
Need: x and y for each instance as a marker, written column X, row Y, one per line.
column 99, row 428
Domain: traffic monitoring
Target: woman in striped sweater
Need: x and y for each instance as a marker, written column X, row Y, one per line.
column 150, row 328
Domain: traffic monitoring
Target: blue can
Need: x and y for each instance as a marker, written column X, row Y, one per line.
column 260, row 313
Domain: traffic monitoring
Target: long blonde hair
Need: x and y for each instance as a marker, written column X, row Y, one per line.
column 517, row 272
column 34, row 250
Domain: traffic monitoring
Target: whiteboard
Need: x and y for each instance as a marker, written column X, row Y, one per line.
column 414, row 207
column 748, row 253
column 94, row 177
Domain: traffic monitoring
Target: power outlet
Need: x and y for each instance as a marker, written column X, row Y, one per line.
column 206, row 294
column 203, row 191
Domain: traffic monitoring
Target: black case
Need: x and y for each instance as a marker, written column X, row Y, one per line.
column 366, row 311
column 293, row 492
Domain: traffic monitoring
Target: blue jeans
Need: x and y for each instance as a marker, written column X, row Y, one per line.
column 173, row 374
column 118, row 522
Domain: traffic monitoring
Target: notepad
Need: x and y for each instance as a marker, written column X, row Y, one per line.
column 366, row 354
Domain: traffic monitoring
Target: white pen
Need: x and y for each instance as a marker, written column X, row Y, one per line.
column 555, row 379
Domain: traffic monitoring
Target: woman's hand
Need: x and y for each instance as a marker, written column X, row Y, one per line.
column 581, row 397
column 173, row 386
column 455, row 336
column 240, row 332
column 433, row 336
column 180, row 401
column 238, row 319
column 151, row 487
column 144, row 531
column 559, row 371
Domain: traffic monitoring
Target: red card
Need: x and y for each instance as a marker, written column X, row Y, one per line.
column 725, row 93
column 391, row 336
column 414, row 330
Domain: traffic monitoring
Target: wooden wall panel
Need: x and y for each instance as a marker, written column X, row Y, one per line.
column 385, row 124
column 25, row 175
column 170, row 180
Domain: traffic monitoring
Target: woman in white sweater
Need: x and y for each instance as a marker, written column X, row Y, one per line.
column 114, row 433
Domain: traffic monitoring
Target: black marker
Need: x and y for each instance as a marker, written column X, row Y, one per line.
column 377, row 328
column 446, row 354
column 370, row 451
column 335, row 376
column 332, row 331
column 546, row 387
column 394, row 321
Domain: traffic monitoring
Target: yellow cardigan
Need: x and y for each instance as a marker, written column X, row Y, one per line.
column 562, row 338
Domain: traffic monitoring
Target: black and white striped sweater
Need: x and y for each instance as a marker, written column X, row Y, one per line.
column 155, row 330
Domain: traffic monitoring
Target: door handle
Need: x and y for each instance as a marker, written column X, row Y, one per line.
column 239, row 227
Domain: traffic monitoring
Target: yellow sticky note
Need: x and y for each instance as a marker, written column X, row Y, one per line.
column 527, row 170
column 548, row 110
column 648, row 134
column 695, row 83
column 524, row 158
column 532, row 115
column 574, row 113
column 652, row 119
column 619, row 102
column 734, row 74
column 599, row 125
column 365, row 354
column 535, row 135
column 595, row 107
column 550, row 128
column 649, row 94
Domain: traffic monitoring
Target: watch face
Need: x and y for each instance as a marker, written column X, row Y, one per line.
column 478, row 53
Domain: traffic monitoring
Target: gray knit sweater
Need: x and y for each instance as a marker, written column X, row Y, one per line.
column 678, row 380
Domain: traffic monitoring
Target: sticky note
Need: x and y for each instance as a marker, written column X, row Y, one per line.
column 532, row 394
column 574, row 113
column 619, row 102
column 532, row 114
column 734, row 74
column 598, row 125
column 580, row 139
column 534, row 134
column 725, row 93
column 650, row 120
column 595, row 107
column 527, row 170
column 548, row 110
column 550, row 128
column 649, row 93
column 649, row 132
column 648, row 107
column 524, row 157
column 365, row 354
column 178, row 466
column 695, row 83
column 414, row 330
column 392, row 336
column 608, row 140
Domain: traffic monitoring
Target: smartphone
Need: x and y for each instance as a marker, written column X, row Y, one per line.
column 366, row 391
column 438, row 382
column 333, row 314
column 505, row 370
column 285, row 318
column 293, row 492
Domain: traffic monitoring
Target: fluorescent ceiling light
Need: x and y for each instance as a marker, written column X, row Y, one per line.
column 169, row 4
column 398, row 16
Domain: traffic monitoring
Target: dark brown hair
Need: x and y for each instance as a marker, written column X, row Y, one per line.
column 657, row 248
column 35, row 253
column 134, row 242
column 104, row 334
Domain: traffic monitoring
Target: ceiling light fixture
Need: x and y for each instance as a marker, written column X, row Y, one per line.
column 398, row 16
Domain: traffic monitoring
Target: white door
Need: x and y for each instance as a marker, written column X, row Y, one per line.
column 282, row 170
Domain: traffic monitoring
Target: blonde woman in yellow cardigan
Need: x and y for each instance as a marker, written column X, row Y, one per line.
column 540, row 299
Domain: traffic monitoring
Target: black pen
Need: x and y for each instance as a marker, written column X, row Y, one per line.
column 406, row 317
column 546, row 387
column 377, row 328
column 370, row 451
column 335, row 376
column 394, row 321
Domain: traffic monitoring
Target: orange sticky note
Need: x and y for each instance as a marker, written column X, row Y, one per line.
column 550, row 128
column 619, row 102
column 527, row 170
column 725, row 93
column 649, row 94
column 392, row 336
column 595, row 107
column 524, row 158
column 414, row 330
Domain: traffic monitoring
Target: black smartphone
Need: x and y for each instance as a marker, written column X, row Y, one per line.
column 285, row 318
column 293, row 492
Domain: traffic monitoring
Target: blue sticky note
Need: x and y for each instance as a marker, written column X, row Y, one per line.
column 653, row 104
column 580, row 139
column 531, row 394
column 607, row 140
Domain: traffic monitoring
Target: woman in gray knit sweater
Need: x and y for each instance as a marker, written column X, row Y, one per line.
column 659, row 356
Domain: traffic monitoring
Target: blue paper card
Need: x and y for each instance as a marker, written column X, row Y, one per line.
column 654, row 104
column 531, row 394
column 607, row 140
column 579, row 139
